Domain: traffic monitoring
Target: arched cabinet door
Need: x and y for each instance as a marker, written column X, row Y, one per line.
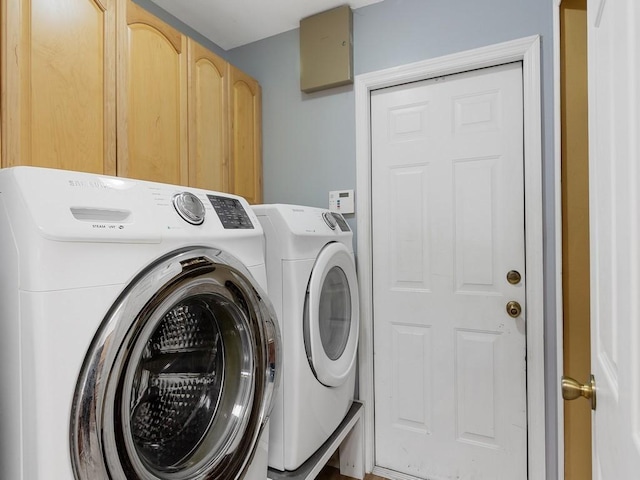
column 245, row 100
column 208, row 125
column 152, row 97
column 58, row 93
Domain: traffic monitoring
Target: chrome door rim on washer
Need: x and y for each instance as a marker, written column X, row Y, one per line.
column 102, row 442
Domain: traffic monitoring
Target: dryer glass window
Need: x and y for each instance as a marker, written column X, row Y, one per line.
column 335, row 313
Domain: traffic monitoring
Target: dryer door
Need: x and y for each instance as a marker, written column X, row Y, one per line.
column 178, row 381
column 331, row 315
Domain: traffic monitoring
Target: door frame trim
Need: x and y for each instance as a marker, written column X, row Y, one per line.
column 526, row 50
column 557, row 155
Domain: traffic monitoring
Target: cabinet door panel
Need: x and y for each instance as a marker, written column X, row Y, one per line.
column 246, row 138
column 152, row 108
column 59, row 84
column 208, row 126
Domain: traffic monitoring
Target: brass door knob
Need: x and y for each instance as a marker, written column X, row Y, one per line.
column 514, row 277
column 514, row 309
column 572, row 389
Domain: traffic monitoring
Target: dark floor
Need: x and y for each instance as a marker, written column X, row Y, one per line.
column 332, row 473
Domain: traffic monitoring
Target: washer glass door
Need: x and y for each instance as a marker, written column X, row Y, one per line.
column 331, row 318
column 179, row 380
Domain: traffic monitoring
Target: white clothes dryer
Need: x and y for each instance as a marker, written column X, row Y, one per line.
column 312, row 283
column 136, row 338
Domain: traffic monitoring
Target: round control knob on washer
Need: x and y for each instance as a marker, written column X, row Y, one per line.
column 189, row 207
column 329, row 220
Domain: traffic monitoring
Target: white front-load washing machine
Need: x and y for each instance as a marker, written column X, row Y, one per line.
column 313, row 286
column 136, row 340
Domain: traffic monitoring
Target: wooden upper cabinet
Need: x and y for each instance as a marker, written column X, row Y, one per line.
column 245, row 100
column 152, row 98
column 104, row 86
column 208, row 124
column 58, row 84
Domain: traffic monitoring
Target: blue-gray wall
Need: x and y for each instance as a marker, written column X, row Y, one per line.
column 309, row 139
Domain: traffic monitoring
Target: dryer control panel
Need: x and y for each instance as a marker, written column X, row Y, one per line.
column 344, row 226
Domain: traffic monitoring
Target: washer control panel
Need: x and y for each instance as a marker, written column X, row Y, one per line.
column 189, row 207
column 231, row 212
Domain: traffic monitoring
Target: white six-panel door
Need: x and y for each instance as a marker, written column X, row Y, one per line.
column 614, row 191
column 448, row 225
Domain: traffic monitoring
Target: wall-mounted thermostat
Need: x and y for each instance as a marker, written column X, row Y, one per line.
column 341, row 201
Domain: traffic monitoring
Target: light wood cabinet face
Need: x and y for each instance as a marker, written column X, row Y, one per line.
column 208, row 126
column 104, row 86
column 246, row 139
column 152, row 100
column 58, row 84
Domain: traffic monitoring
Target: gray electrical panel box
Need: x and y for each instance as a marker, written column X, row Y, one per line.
column 326, row 49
